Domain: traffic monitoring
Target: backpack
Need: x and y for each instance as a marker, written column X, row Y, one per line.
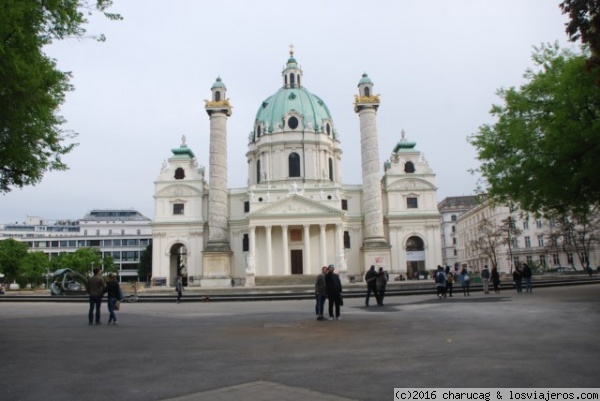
column 439, row 278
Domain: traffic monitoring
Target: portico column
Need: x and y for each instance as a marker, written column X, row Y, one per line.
column 284, row 242
column 339, row 239
column 306, row 240
column 323, row 240
column 253, row 245
column 269, row 252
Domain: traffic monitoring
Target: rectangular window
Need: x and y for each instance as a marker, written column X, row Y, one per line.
column 346, row 239
column 538, row 223
column 247, row 207
column 556, row 259
column 525, row 224
column 454, row 241
column 344, row 204
column 570, row 258
column 245, row 243
column 109, row 232
column 529, row 259
column 542, row 260
column 527, row 242
column 453, row 229
column 116, row 242
column 178, row 208
column 515, row 243
column 72, row 243
column 540, row 239
column 116, row 255
column 455, row 252
column 107, row 242
column 412, row 203
column 139, row 232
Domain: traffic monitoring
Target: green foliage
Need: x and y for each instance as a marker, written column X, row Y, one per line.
column 33, row 268
column 584, row 24
column 32, row 88
column 12, row 253
column 543, row 151
column 145, row 264
column 83, row 261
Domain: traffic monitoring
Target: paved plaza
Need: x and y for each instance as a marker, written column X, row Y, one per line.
column 277, row 350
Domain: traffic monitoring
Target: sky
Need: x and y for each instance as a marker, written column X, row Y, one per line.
column 436, row 65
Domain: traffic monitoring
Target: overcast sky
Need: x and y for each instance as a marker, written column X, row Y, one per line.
column 436, row 65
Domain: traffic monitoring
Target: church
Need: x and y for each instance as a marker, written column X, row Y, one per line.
column 296, row 215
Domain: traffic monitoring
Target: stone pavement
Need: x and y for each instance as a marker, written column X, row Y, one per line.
column 276, row 350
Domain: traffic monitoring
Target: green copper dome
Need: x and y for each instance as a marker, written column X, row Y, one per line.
column 276, row 108
column 293, row 102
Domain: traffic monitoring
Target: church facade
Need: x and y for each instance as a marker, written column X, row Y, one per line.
column 296, row 214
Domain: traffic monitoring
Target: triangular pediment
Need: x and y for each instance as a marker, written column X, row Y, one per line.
column 296, row 205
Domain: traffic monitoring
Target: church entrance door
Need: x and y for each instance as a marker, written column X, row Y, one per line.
column 296, row 260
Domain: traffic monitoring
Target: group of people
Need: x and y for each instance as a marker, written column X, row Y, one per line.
column 445, row 279
column 376, row 283
column 522, row 273
column 328, row 286
column 97, row 288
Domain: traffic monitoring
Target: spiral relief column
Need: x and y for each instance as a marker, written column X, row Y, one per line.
column 376, row 249
column 217, row 255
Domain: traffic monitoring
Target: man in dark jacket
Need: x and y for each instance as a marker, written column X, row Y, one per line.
column 334, row 292
column 371, row 279
column 527, row 277
column 321, row 293
column 96, row 289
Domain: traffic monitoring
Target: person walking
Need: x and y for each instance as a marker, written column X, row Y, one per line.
column 113, row 294
column 320, row 293
column 527, row 273
column 485, row 279
column 179, row 287
column 449, row 283
column 440, row 282
column 495, row 279
column 96, row 287
column 381, row 281
column 334, row 292
column 518, row 279
column 371, row 279
column 465, row 281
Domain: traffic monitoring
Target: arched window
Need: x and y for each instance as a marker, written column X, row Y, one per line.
column 367, row 91
column 328, row 129
column 179, row 174
column 415, row 244
column 217, row 96
column 258, row 171
column 294, row 165
column 409, row 167
column 292, row 79
column 330, row 169
column 258, row 131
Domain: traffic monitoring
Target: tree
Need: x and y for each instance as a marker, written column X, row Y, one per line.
column 145, row 264
column 32, row 88
column 488, row 240
column 12, row 253
column 83, row 261
column 542, row 152
column 33, row 268
column 576, row 233
column 584, row 25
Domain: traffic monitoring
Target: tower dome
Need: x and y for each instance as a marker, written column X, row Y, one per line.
column 293, row 107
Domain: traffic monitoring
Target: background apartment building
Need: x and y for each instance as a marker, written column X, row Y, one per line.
column 451, row 209
column 120, row 233
column 510, row 236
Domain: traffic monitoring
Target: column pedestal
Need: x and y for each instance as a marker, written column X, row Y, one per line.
column 217, row 269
